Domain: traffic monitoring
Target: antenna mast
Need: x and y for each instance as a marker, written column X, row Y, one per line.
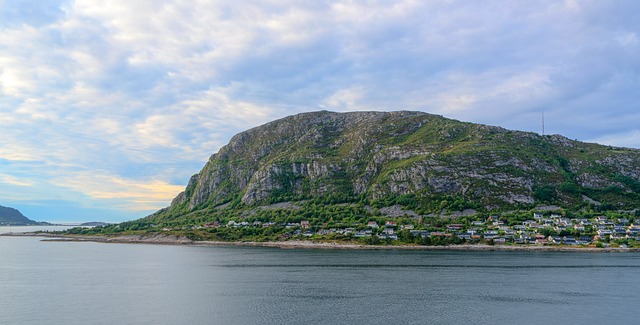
column 542, row 122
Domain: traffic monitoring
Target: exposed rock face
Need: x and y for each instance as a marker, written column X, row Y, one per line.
column 381, row 154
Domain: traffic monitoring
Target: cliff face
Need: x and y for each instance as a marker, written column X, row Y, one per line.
column 380, row 155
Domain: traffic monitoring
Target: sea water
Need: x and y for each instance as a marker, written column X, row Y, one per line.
column 96, row 283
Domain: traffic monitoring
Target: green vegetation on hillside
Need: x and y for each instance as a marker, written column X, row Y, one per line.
column 338, row 169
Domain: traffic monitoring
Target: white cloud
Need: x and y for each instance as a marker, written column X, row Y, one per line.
column 345, row 99
column 629, row 139
column 136, row 89
column 126, row 193
column 629, row 40
column 11, row 180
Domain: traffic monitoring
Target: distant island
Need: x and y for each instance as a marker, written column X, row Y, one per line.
column 93, row 224
column 13, row 217
column 402, row 178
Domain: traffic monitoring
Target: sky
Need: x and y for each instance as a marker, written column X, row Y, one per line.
column 108, row 107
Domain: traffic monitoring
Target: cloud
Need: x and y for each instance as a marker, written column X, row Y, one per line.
column 623, row 139
column 11, row 180
column 345, row 99
column 124, row 193
column 133, row 93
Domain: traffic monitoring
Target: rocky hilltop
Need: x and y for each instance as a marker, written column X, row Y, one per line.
column 401, row 159
column 13, row 217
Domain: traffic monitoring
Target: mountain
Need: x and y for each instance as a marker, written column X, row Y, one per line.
column 13, row 217
column 412, row 160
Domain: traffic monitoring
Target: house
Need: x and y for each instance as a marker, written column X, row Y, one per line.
column 390, row 224
column 537, row 215
column 388, row 231
column 292, row 225
column 509, row 234
column 372, row 224
column 489, row 235
column 565, row 222
column 388, row 236
column 540, row 239
column 499, row 240
column 554, row 239
column 585, row 222
column 257, row 223
column 534, row 225
column 477, row 223
column 491, row 232
column 304, row 224
column 605, row 232
column 584, row 240
column 620, row 231
column 618, row 236
column 421, row 233
column 409, row 227
column 454, row 226
column 362, row 233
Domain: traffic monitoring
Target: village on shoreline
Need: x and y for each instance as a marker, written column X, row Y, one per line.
column 554, row 229
column 539, row 230
column 552, row 232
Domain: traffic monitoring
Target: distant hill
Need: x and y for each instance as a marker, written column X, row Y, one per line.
column 93, row 224
column 423, row 162
column 13, row 217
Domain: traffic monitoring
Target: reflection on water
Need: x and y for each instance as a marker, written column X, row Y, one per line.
column 80, row 283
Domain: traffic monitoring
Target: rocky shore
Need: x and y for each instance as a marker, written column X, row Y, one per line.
column 165, row 239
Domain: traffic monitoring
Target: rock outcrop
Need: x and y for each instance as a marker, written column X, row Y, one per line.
column 381, row 155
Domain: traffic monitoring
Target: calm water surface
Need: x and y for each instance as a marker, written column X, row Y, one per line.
column 91, row 283
column 18, row 229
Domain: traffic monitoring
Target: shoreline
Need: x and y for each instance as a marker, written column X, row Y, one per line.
column 301, row 244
